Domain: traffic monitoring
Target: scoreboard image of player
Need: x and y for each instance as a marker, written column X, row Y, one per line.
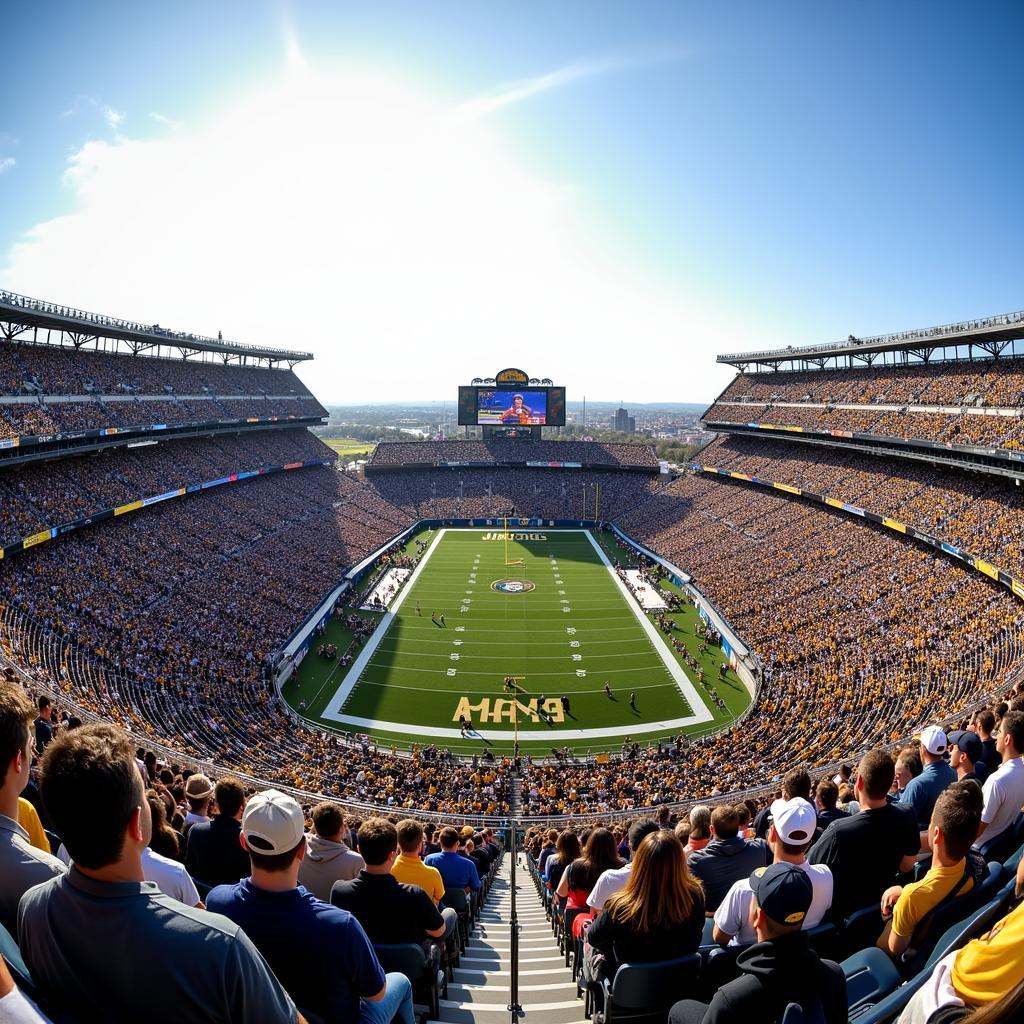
column 511, row 406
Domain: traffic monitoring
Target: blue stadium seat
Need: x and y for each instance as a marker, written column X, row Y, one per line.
column 410, row 960
column 646, row 992
column 10, row 952
column 1003, row 846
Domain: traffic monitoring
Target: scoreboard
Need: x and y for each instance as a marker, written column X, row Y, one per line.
column 511, row 399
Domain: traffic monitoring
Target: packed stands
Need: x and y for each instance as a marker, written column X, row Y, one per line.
column 499, row 451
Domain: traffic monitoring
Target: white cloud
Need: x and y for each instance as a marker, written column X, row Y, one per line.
column 163, row 119
column 113, row 117
column 355, row 218
column 6, row 163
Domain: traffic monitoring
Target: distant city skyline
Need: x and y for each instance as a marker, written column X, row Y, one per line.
column 420, row 194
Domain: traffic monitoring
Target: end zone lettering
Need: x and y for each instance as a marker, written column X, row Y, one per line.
column 507, row 710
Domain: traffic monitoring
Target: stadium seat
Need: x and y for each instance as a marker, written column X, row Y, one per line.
column 410, row 960
column 797, row 1014
column 646, row 992
column 1003, row 846
column 12, row 954
column 459, row 902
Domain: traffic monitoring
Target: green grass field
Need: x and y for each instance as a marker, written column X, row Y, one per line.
column 561, row 625
column 348, row 447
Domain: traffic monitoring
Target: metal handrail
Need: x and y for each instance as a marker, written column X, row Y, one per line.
column 922, row 334
column 514, row 1009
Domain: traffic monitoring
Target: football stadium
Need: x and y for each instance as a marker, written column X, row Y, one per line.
column 507, row 592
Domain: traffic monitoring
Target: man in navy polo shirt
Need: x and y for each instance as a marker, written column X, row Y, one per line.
column 923, row 790
column 319, row 953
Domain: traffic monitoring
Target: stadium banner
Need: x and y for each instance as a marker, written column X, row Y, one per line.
column 218, row 482
column 10, row 442
column 78, row 524
column 293, row 465
column 987, row 568
column 246, row 475
column 834, row 502
column 955, row 552
column 893, row 524
column 37, row 538
column 130, row 507
column 787, row 488
column 555, row 465
column 192, row 488
column 1017, row 587
column 853, row 509
column 167, row 495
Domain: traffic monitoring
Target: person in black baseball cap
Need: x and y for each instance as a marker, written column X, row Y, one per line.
column 966, row 753
column 780, row 968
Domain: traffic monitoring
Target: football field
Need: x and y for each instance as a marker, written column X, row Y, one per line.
column 556, row 623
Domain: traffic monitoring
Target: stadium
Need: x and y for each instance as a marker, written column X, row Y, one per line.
column 527, row 637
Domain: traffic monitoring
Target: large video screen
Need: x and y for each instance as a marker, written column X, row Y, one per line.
column 511, row 407
column 521, row 407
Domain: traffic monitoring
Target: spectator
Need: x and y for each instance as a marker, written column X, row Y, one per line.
column 613, row 880
column 790, row 834
column 169, row 874
column 79, row 930
column 795, row 783
column 44, row 724
column 22, row 865
column 727, row 858
column 547, row 850
column 979, row 976
column 28, row 819
column 214, row 853
column 389, row 911
column 567, row 850
column 922, row 791
column 328, row 858
column 457, row 872
column 966, row 755
column 955, row 871
column 984, row 725
column 908, row 767
column 866, row 850
column 1004, row 789
column 781, row 968
column 598, row 858
column 409, row 867
column 827, row 797
column 700, row 828
column 198, row 792
column 658, row 914
column 320, row 953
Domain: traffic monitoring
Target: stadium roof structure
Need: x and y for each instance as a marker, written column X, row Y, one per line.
column 19, row 314
column 992, row 335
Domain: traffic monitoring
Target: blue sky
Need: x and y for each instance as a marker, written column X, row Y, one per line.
column 605, row 193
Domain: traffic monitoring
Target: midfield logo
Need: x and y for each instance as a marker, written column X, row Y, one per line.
column 513, row 586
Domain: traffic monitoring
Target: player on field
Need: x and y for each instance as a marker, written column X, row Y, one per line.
column 608, row 690
column 632, row 699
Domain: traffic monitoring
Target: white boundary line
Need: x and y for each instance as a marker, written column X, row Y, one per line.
column 333, row 713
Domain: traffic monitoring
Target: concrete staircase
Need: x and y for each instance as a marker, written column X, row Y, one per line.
column 480, row 992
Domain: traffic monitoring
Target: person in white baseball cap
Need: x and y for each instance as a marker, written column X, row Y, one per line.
column 792, row 830
column 318, row 952
column 923, row 790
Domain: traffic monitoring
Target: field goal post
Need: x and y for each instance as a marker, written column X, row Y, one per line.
column 514, row 561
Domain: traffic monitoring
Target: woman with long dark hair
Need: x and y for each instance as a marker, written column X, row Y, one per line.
column 579, row 879
column 567, row 849
column 659, row 915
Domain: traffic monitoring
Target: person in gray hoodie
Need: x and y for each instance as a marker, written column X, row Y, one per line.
column 328, row 858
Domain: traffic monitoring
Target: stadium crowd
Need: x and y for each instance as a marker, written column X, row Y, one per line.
column 966, row 428
column 983, row 515
column 46, row 495
column 983, row 383
column 68, row 371
column 498, row 451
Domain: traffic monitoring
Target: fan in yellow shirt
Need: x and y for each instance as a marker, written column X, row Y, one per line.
column 28, row 819
column 409, row 867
